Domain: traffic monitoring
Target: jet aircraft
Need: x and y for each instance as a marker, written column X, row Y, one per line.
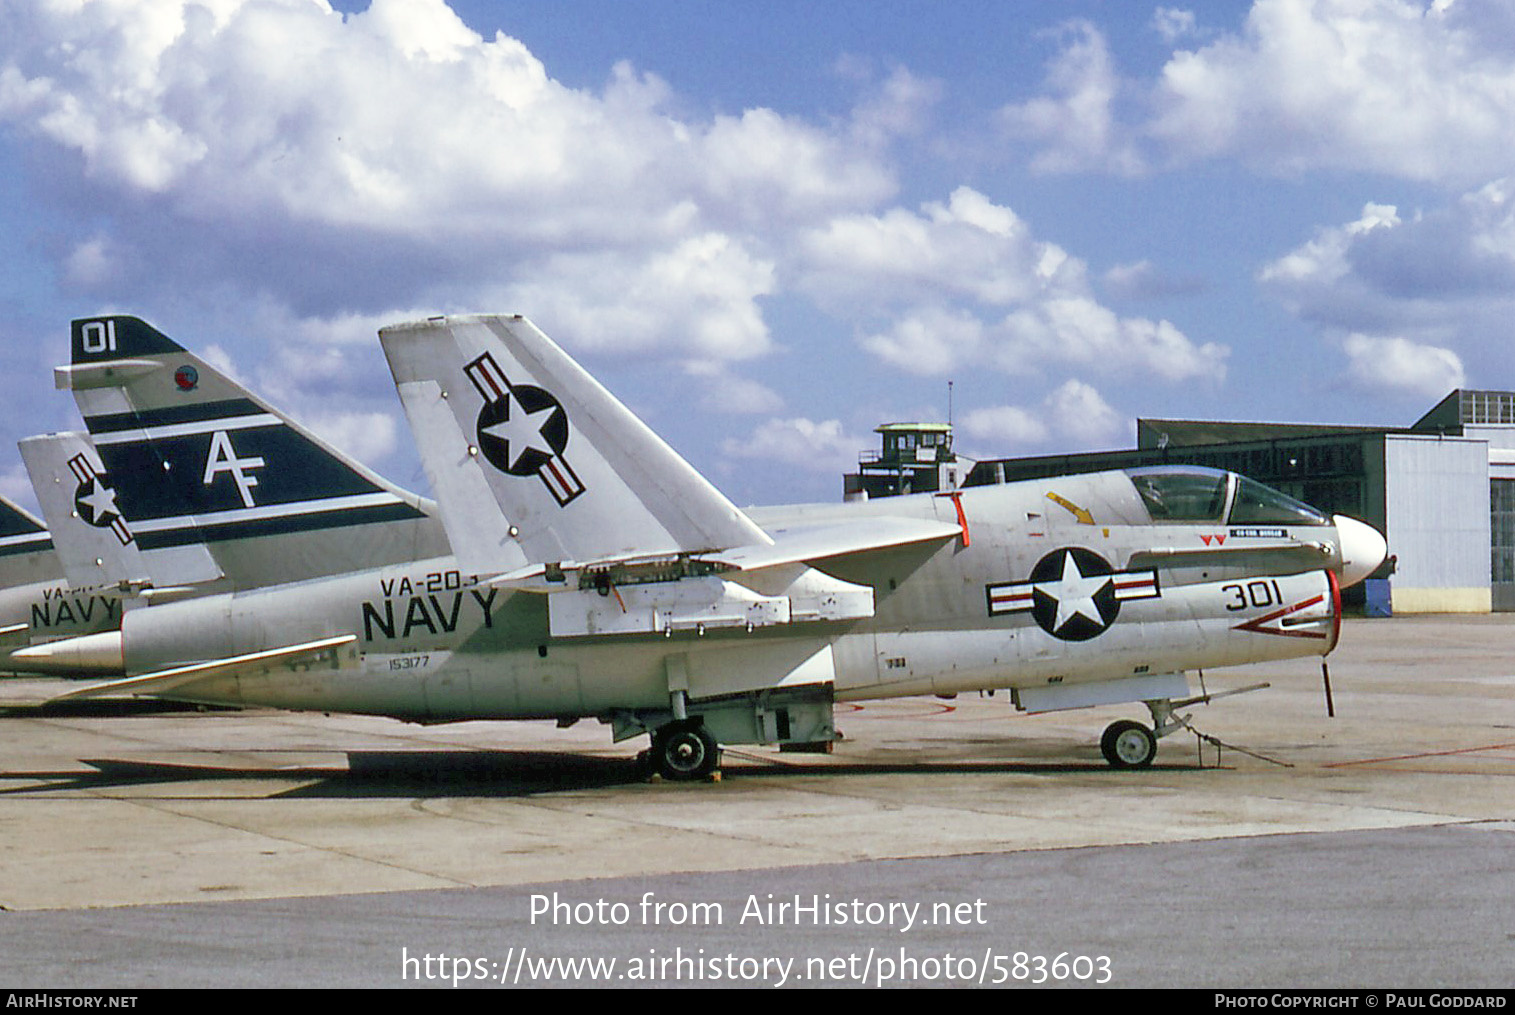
column 596, row 574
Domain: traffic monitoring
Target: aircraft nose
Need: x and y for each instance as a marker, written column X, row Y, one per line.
column 1362, row 549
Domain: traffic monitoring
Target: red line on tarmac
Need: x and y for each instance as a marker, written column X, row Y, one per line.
column 1411, row 757
column 939, row 709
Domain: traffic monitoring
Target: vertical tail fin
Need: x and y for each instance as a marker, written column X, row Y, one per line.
column 94, row 542
column 531, row 456
column 196, row 458
column 26, row 548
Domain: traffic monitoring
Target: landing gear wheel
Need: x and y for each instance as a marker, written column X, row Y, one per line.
column 682, row 752
column 1128, row 744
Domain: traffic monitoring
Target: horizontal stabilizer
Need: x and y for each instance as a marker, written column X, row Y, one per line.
column 26, row 550
column 20, row 534
column 165, row 681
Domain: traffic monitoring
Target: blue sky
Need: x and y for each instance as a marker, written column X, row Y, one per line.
column 772, row 226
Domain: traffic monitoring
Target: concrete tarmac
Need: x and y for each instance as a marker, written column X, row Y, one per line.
column 1369, row 849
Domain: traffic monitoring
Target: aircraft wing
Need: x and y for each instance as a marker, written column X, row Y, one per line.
column 165, row 681
column 749, row 586
column 801, row 545
column 824, row 541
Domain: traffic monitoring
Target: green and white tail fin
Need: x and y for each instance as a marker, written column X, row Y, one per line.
column 197, row 458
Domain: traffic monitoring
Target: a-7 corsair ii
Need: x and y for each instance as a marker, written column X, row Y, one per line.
column 596, row 574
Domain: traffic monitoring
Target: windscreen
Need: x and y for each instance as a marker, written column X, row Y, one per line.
column 1262, row 505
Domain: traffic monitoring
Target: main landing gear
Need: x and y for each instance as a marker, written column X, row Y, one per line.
column 683, row 751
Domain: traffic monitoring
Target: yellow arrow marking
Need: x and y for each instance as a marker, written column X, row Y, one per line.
column 1083, row 516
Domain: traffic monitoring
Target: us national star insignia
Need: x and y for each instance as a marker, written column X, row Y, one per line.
column 1073, row 594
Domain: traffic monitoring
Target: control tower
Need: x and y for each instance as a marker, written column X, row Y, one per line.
column 914, row 458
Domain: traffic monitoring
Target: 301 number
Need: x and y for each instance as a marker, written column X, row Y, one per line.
column 1255, row 595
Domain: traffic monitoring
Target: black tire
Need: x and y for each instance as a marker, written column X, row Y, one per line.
column 1128, row 744
column 685, row 751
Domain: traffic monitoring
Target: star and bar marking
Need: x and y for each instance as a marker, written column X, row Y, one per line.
column 95, row 499
column 522, row 430
column 1073, row 594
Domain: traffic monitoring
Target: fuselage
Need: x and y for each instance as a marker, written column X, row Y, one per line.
column 1048, row 582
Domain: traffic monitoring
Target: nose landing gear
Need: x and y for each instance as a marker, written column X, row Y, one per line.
column 1128, row 744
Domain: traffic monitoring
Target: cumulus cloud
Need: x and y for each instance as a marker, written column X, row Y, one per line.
column 1073, row 416
column 1174, row 24
column 1005, row 426
column 380, row 151
column 314, row 176
column 1080, row 412
column 1397, row 87
column 966, row 283
column 1397, row 364
column 92, row 262
column 968, row 247
column 823, row 447
column 1380, row 85
column 1144, row 280
column 900, row 107
column 399, row 118
column 764, row 166
column 1441, row 277
column 699, row 298
column 932, row 341
column 1419, row 302
column 1325, row 257
column 722, row 391
column 1076, row 125
column 1316, row 280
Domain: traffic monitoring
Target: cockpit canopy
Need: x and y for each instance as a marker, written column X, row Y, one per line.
column 1192, row 493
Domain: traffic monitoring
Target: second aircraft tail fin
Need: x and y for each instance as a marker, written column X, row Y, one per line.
column 196, row 457
column 94, row 543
